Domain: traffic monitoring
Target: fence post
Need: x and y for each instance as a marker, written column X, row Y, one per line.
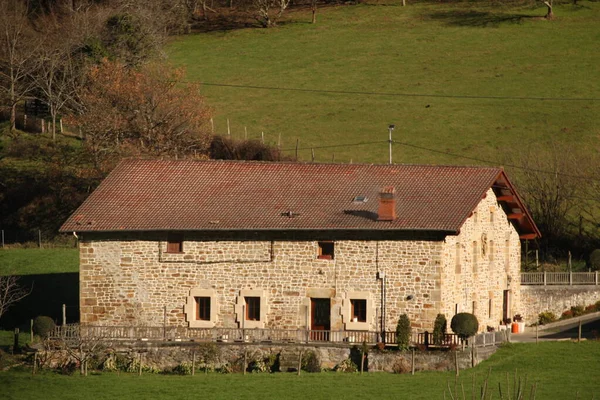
column 3, row 244
column 545, row 278
column 595, row 280
column 40, row 238
column 570, row 278
column 64, row 314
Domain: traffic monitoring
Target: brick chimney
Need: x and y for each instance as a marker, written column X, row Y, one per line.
column 387, row 204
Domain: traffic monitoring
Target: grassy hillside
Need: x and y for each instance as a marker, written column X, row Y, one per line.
column 436, row 49
column 560, row 370
column 38, row 261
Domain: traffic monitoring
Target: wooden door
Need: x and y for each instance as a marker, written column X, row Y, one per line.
column 506, row 306
column 320, row 318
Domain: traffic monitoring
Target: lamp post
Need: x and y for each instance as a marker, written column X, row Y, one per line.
column 390, row 129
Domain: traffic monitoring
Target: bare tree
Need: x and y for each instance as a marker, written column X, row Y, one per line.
column 10, row 292
column 548, row 4
column 60, row 67
column 549, row 180
column 267, row 12
column 18, row 46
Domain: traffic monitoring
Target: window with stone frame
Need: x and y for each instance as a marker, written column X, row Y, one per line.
column 252, row 308
column 326, row 250
column 507, row 255
column 475, row 259
column 457, row 267
column 358, row 310
column 202, row 308
column 491, row 250
column 175, row 243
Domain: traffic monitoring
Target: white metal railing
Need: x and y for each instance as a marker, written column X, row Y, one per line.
column 560, row 278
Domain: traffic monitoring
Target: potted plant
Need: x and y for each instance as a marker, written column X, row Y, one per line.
column 520, row 323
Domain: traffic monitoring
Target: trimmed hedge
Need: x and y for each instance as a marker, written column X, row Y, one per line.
column 464, row 325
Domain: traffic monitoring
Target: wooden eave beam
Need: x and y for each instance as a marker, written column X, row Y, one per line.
column 515, row 216
column 507, row 197
column 528, row 236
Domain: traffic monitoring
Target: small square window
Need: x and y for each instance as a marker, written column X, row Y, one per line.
column 202, row 308
column 358, row 310
column 326, row 250
column 175, row 243
column 252, row 308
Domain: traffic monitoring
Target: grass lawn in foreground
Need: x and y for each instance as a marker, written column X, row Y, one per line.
column 441, row 49
column 560, row 370
column 38, row 261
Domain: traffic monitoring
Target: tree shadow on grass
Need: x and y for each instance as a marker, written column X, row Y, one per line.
column 481, row 19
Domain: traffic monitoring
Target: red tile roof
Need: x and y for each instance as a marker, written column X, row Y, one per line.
column 151, row 195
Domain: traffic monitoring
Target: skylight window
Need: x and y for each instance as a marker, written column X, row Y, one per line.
column 359, row 199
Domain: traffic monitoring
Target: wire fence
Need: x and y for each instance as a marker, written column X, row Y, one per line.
column 35, row 238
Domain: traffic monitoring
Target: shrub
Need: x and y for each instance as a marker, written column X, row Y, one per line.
column 594, row 260
column 346, row 366
column 185, row 368
column 311, row 362
column 577, row 310
column 590, row 309
column 567, row 314
column 598, row 305
column 439, row 329
column 401, row 366
column 464, row 325
column 258, row 366
column 43, row 326
column 546, row 317
column 403, row 332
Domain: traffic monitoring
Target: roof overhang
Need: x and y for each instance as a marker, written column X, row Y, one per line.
column 515, row 208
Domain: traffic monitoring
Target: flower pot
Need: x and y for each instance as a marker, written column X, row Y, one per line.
column 515, row 327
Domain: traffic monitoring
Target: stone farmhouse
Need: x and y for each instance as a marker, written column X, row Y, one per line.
column 331, row 247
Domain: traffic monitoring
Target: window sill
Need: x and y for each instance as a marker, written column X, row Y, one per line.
column 174, row 252
column 327, row 257
column 357, row 326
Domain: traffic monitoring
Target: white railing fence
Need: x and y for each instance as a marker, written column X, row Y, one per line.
column 560, row 278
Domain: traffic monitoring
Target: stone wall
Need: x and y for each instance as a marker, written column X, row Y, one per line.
column 488, row 253
column 163, row 356
column 130, row 278
column 556, row 299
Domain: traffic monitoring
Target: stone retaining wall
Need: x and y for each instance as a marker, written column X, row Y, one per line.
column 167, row 356
column 536, row 299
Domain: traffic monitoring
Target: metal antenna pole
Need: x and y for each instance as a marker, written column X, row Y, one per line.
column 391, row 128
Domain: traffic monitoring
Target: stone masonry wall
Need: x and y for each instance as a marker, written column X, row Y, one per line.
column 131, row 279
column 483, row 277
column 537, row 299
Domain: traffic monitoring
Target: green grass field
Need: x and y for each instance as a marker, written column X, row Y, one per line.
column 560, row 370
column 459, row 49
column 38, row 261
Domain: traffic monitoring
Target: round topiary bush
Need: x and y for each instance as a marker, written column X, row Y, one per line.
column 43, row 326
column 403, row 332
column 464, row 325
